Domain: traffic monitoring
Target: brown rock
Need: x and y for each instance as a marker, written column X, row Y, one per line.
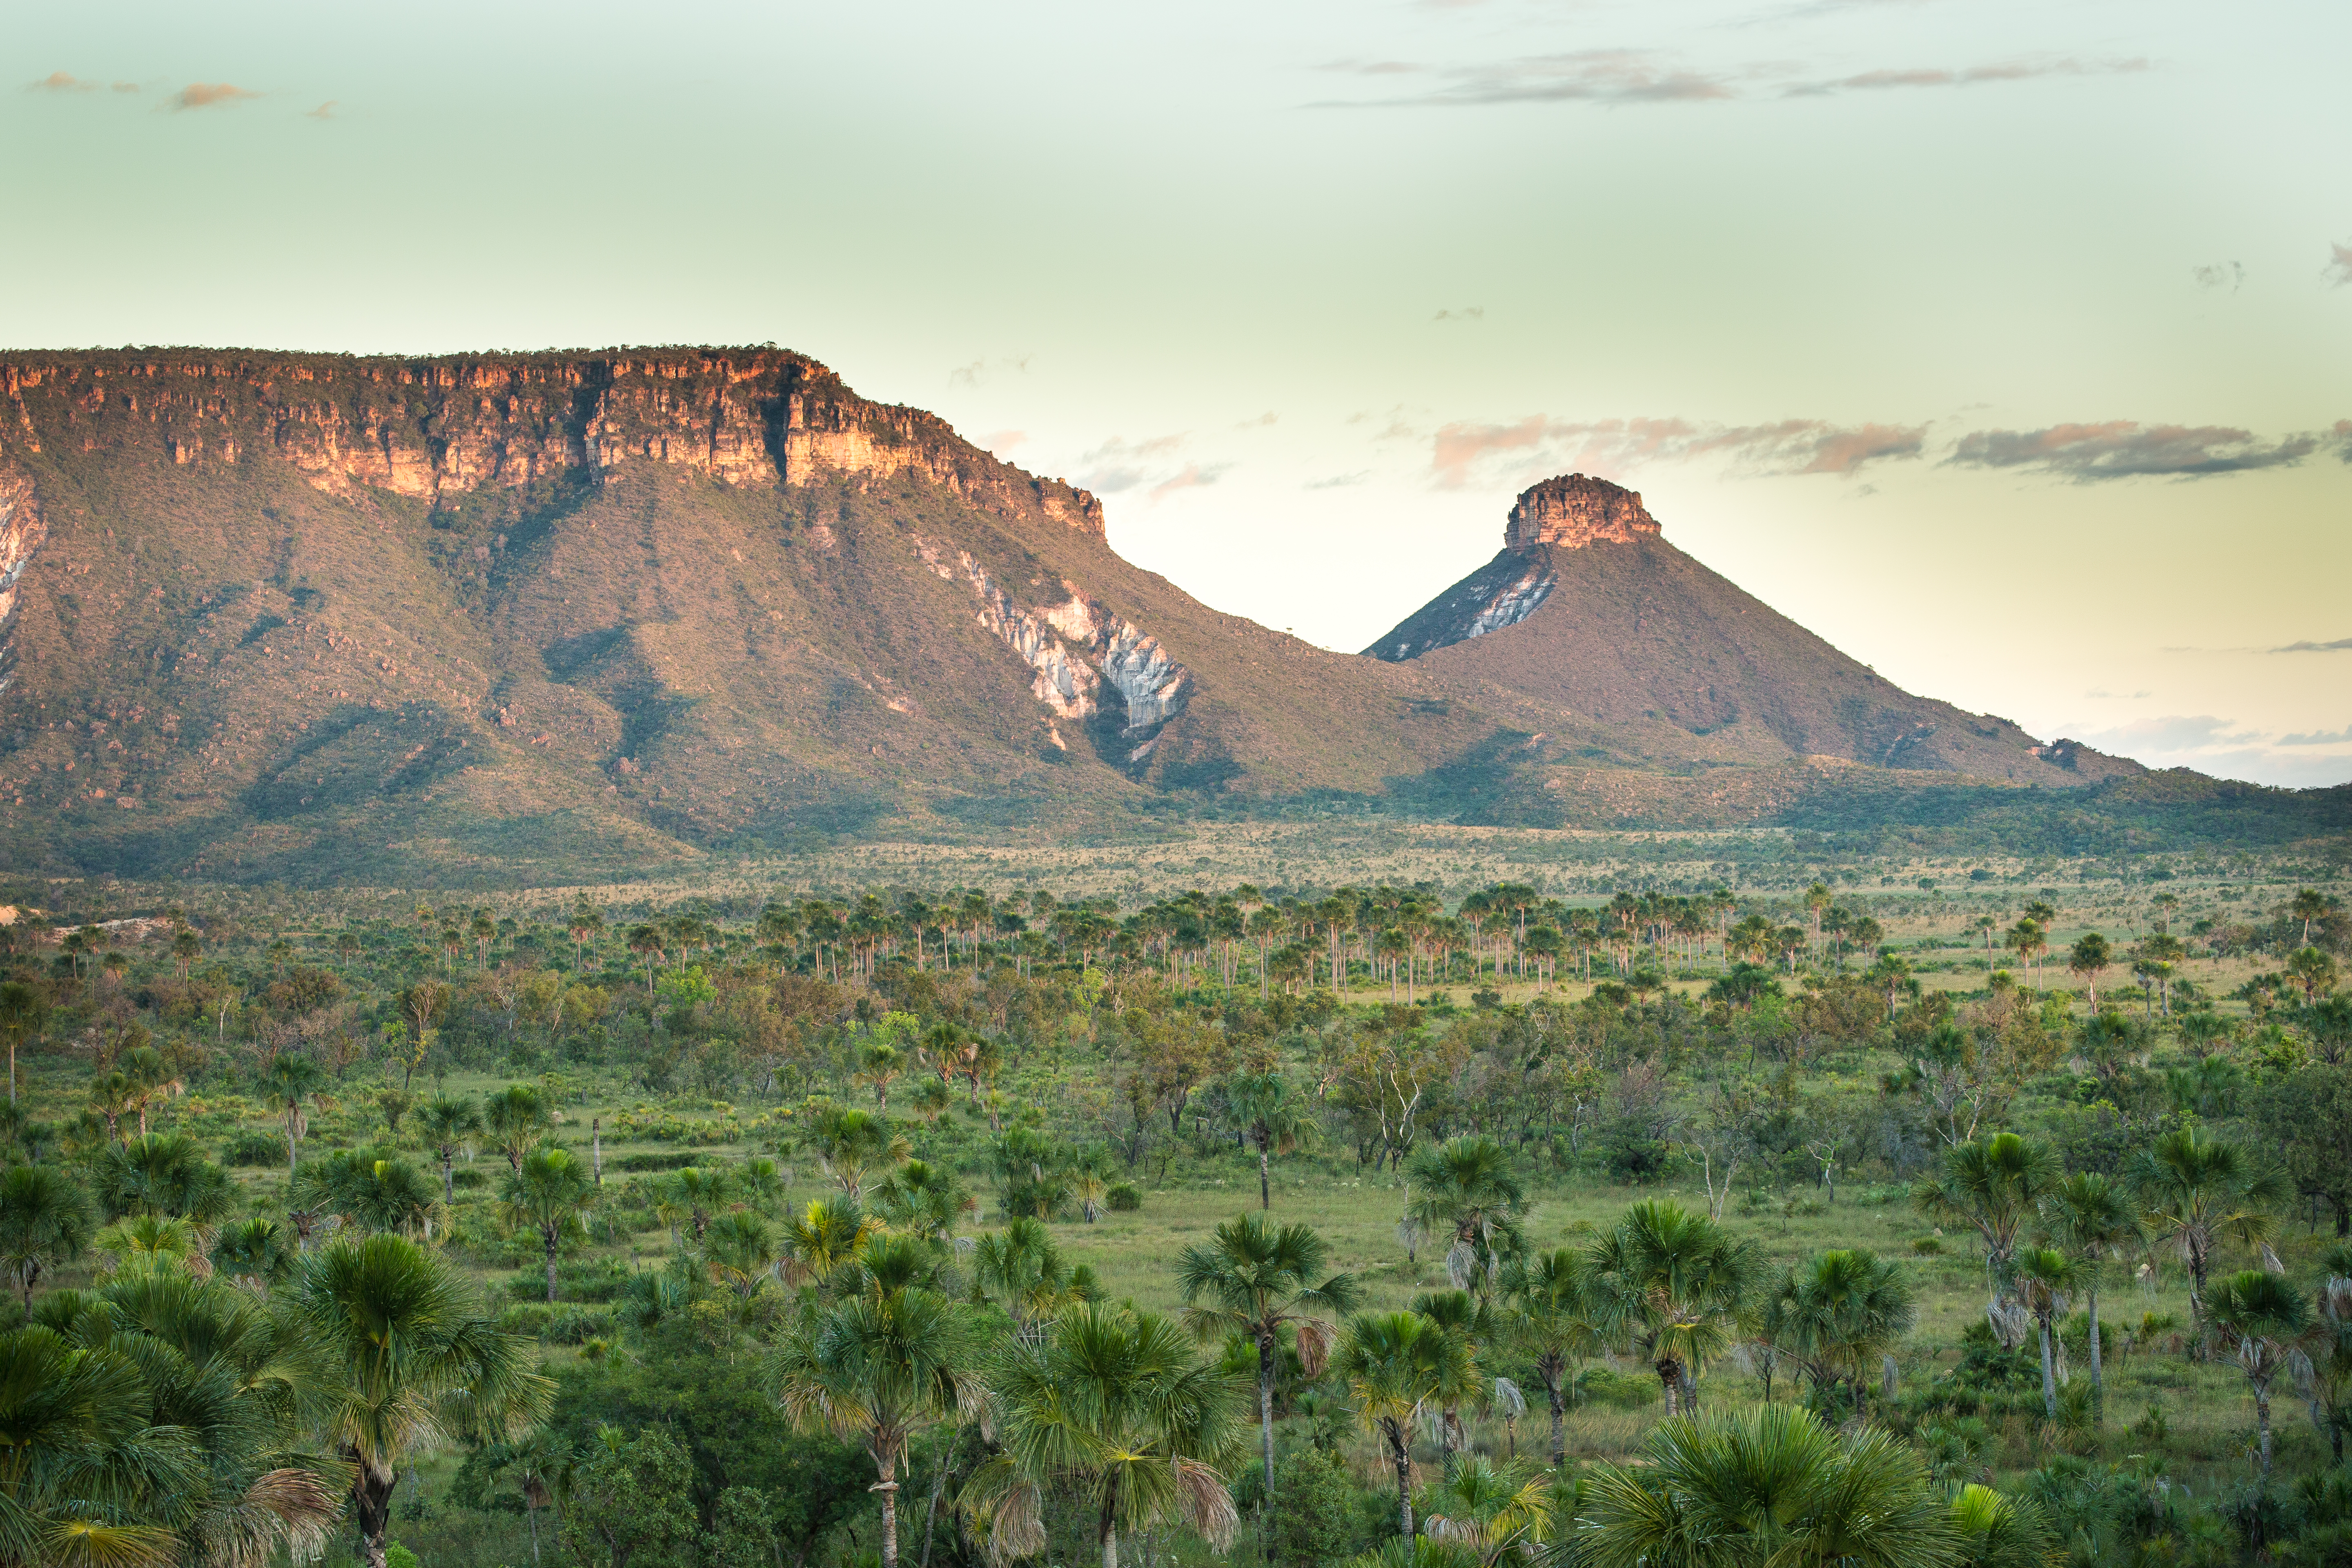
column 1574, row 511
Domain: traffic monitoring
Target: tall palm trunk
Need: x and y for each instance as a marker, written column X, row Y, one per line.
column 1266, row 1350
column 1264, row 1185
column 371, row 1489
column 1402, row 1456
column 888, row 1488
column 2098, row 1378
column 1559, row 1417
column 551, row 1262
column 2262, row 1421
column 2049, row 1376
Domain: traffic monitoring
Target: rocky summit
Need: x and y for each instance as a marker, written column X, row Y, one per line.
column 562, row 616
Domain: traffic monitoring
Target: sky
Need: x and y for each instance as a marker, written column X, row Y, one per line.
column 2007, row 346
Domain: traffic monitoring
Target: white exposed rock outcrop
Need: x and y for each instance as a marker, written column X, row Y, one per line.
column 1148, row 679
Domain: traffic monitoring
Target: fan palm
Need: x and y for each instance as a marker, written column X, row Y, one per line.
column 1464, row 1319
column 1022, row 1269
column 1770, row 1485
column 291, row 1077
column 2045, row 1275
column 139, row 1242
column 1493, row 1510
column 86, row 1479
column 2092, row 1216
column 822, row 1238
column 1670, row 1283
column 370, row 1189
column 878, row 1367
column 548, row 1193
column 517, row 1119
column 449, row 1126
column 739, row 1252
column 165, row 1174
column 1273, row 1120
column 410, row 1362
column 1997, row 1531
column 1552, row 1318
column 924, row 1200
column 1839, row 1312
column 1114, row 1406
column 852, row 1144
column 1254, row 1278
column 2200, row 1191
column 700, row 1191
column 45, row 1220
column 1992, row 1185
column 22, row 1009
column 1394, row 1364
column 1465, row 1187
column 2266, row 1322
column 253, row 1252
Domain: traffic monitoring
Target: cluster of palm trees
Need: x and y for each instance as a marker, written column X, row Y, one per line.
column 2051, row 1237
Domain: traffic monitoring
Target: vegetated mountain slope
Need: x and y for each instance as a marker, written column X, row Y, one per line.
column 577, row 616
column 1589, row 610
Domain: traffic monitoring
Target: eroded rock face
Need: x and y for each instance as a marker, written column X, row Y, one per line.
column 1574, row 510
column 21, row 532
column 1151, row 685
column 434, row 427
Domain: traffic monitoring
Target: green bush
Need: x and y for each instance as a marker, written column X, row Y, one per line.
column 1321, row 1514
column 1123, row 1197
column 250, row 1148
column 395, row 1555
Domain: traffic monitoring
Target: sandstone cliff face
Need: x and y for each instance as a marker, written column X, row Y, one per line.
column 437, row 428
column 20, row 535
column 1574, row 511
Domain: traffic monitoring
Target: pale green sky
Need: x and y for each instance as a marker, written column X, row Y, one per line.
column 1928, row 323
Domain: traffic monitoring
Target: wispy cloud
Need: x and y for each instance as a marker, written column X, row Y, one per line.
column 2120, row 448
column 2220, row 274
column 208, row 95
column 1192, row 475
column 1468, row 313
column 1002, row 441
column 2319, row 738
column 2341, row 644
column 1968, row 76
column 1339, row 481
column 981, row 370
column 1583, row 75
column 1119, row 463
column 60, row 81
column 1464, row 452
column 2225, row 748
column 324, row 112
column 2338, row 270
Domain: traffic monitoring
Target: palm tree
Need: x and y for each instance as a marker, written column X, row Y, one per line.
column 1993, row 1185
column 2199, row 1191
column 740, row 1251
column 2090, row 958
column 165, row 1174
column 410, row 1362
column 881, row 1366
column 547, row 1193
column 292, row 1077
column 2045, row 1275
column 1839, row 1313
column 449, row 1126
column 851, row 1144
column 1466, row 1320
column 254, row 1251
column 1272, row 1120
column 86, row 1479
column 1670, row 1282
column 924, row 1200
column 517, row 1119
column 1021, row 1269
column 1254, row 1278
column 701, row 1190
column 370, row 1189
column 149, row 1077
column 1997, row 1531
column 22, row 1009
column 1114, row 1407
column 2266, row 1321
column 1552, row 1318
column 1768, row 1485
column 2091, row 1216
column 1495, row 1512
column 1394, row 1364
column 1466, row 1186
column 822, row 1237
column 44, row 1221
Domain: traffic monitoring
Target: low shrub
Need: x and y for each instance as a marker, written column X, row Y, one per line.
column 1123, row 1197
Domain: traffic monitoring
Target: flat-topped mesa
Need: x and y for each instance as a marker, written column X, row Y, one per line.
column 436, row 428
column 1572, row 511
